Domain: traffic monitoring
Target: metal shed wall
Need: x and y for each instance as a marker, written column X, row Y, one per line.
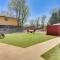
column 53, row 30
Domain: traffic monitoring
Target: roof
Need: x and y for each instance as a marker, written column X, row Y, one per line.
column 8, row 17
column 57, row 24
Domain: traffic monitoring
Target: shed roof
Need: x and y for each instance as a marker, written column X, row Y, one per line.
column 57, row 24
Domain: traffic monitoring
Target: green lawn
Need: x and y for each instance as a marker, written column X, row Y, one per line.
column 25, row 39
column 53, row 54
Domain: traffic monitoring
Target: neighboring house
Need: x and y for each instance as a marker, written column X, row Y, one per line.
column 8, row 24
column 30, row 28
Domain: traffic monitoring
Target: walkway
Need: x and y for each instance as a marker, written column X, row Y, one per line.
column 9, row 52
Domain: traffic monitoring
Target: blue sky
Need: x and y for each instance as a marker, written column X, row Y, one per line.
column 42, row 7
column 3, row 5
column 37, row 7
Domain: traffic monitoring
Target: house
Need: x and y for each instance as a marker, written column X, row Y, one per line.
column 53, row 29
column 8, row 24
column 30, row 29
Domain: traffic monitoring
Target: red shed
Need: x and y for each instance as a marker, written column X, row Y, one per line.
column 53, row 29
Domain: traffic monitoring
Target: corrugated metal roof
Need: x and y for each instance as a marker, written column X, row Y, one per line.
column 57, row 24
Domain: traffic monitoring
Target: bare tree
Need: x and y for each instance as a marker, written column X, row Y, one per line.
column 32, row 22
column 43, row 21
column 37, row 22
column 20, row 9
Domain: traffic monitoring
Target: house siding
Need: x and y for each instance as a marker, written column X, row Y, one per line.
column 8, row 25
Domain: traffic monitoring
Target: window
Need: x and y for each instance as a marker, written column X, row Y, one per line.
column 6, row 19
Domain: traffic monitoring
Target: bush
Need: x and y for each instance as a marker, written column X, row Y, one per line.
column 2, row 36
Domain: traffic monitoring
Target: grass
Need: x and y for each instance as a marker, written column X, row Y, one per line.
column 53, row 54
column 25, row 39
